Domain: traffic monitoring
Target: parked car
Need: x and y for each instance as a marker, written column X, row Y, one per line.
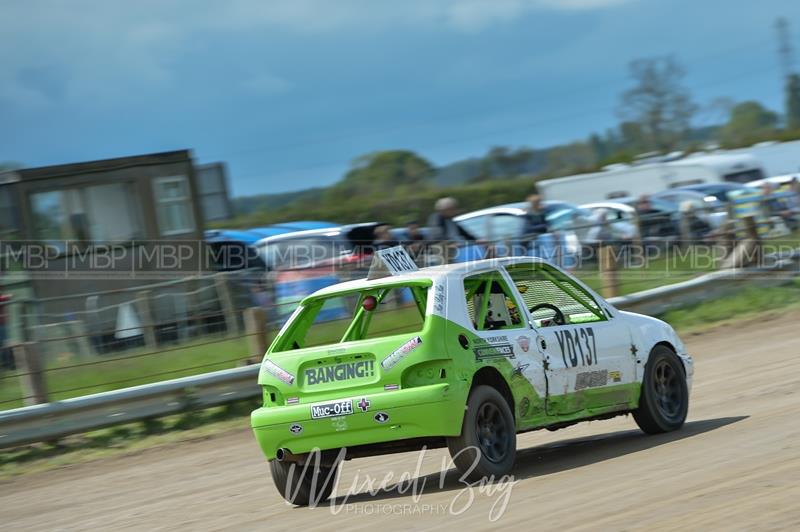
column 619, row 219
column 504, row 227
column 301, row 262
column 775, row 181
column 717, row 194
column 708, row 208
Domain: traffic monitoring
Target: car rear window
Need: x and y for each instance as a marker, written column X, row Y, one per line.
column 341, row 318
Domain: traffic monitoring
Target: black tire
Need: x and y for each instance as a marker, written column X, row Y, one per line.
column 664, row 400
column 304, row 490
column 488, row 428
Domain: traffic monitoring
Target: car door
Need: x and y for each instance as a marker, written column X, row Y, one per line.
column 587, row 359
column 503, row 336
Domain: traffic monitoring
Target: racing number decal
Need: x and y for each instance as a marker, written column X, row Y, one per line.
column 578, row 343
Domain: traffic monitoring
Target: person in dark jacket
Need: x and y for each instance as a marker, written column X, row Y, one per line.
column 535, row 220
column 442, row 225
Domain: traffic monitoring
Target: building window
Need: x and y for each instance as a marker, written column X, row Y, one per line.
column 113, row 212
column 93, row 214
column 59, row 215
column 174, row 205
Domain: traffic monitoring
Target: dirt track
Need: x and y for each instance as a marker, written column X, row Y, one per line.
column 735, row 465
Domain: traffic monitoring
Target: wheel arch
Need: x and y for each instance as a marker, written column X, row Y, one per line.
column 490, row 376
column 671, row 347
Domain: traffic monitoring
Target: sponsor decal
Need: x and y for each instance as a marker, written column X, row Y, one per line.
column 578, row 347
column 400, row 353
column 277, row 372
column 339, row 423
column 492, row 348
column 439, row 299
column 292, row 400
column 591, row 379
column 296, row 428
column 363, row 404
column 391, row 387
column 381, row 417
column 615, row 376
column 340, row 372
column 518, row 369
column 524, row 343
column 337, row 408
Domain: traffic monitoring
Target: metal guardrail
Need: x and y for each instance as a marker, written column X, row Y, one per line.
column 50, row 421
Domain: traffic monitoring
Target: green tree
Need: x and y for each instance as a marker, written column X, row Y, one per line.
column 749, row 122
column 658, row 102
column 384, row 171
column 793, row 102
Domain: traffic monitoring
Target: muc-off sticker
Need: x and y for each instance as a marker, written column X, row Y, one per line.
column 278, row 372
column 334, row 409
column 400, row 353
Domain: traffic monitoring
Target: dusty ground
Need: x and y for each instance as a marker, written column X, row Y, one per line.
column 735, row 465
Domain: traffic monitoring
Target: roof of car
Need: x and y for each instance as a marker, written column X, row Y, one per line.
column 517, row 208
column 608, row 205
column 430, row 273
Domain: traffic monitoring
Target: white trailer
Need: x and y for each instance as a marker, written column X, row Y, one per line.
column 625, row 181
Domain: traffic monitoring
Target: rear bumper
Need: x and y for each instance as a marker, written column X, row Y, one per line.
column 424, row 411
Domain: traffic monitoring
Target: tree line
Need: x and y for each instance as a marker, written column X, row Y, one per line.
column 655, row 117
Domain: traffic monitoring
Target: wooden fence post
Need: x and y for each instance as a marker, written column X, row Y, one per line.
column 608, row 271
column 226, row 304
column 29, row 364
column 144, row 304
column 255, row 325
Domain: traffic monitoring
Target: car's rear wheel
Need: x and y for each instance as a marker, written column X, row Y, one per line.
column 487, row 445
column 664, row 399
column 303, row 485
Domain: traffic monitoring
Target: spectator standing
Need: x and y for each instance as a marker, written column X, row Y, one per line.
column 442, row 225
column 535, row 225
column 414, row 240
column 651, row 221
column 692, row 226
column 777, row 206
column 383, row 238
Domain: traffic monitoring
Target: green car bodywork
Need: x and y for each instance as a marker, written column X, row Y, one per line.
column 407, row 385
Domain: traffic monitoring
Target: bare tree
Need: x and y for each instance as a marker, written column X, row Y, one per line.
column 658, row 102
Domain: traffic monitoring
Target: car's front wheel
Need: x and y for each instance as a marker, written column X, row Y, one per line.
column 664, row 399
column 487, row 445
column 303, row 485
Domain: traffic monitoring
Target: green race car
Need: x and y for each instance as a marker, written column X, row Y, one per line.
column 464, row 356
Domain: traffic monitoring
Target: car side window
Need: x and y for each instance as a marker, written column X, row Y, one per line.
column 540, row 284
column 477, row 225
column 490, row 302
column 505, row 226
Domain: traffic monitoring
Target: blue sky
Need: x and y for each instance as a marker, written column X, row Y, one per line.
column 289, row 92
